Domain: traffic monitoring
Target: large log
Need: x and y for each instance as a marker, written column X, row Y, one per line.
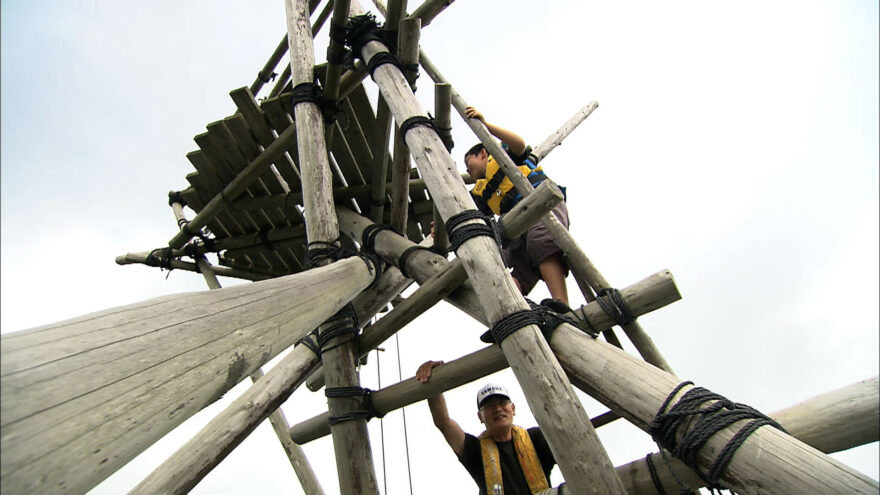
column 223, row 433
column 831, row 422
column 581, row 456
column 642, row 297
column 769, row 461
column 82, row 397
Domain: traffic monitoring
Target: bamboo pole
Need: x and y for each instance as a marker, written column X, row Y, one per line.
column 81, row 398
column 584, row 462
column 555, row 139
column 408, row 53
column 429, row 9
column 769, row 461
column 580, row 265
column 132, row 258
column 236, row 186
column 646, row 295
column 266, row 73
column 354, row 463
column 831, row 422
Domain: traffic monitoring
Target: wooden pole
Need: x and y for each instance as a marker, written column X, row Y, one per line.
column 555, row 139
column 443, row 113
column 131, row 258
column 429, row 9
column 83, row 397
column 354, row 462
column 581, row 266
column 646, row 295
column 334, row 65
column 831, row 422
column 279, row 423
column 265, row 74
column 769, row 461
column 581, row 456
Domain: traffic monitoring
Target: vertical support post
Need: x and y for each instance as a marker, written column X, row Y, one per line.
column 351, row 442
column 443, row 124
column 335, row 52
column 408, row 53
column 581, row 456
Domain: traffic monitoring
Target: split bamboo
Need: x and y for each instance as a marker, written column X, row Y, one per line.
column 81, row 398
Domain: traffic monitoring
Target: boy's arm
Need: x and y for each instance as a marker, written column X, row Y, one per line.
column 513, row 140
column 451, row 430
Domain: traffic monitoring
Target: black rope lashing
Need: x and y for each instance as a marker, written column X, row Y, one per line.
column 160, row 257
column 654, row 477
column 706, row 421
column 263, row 235
column 414, row 121
column 336, row 50
column 612, row 303
column 318, row 252
column 404, row 256
column 459, row 235
column 382, row 58
column 309, row 92
column 368, row 236
column 176, row 197
column 361, row 30
column 551, row 313
column 310, row 341
column 511, row 323
column 266, row 78
column 343, row 323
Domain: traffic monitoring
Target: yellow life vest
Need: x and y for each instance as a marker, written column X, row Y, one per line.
column 525, row 452
column 497, row 190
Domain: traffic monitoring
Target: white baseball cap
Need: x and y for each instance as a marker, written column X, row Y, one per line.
column 491, row 389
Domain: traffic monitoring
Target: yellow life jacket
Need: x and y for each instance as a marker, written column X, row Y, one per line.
column 497, row 191
column 525, row 452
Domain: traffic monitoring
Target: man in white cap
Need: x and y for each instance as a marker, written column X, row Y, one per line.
column 505, row 459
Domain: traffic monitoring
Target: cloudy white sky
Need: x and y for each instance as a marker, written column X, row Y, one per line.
column 735, row 144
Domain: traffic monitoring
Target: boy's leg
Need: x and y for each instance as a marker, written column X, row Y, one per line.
column 553, row 272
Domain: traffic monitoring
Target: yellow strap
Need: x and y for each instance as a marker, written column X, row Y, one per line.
column 528, row 461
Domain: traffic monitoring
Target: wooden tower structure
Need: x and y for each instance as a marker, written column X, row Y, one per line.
column 310, row 193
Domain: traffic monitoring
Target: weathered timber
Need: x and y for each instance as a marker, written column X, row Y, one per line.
column 354, row 463
column 581, row 266
column 210, row 446
column 555, row 139
column 769, row 461
column 279, row 423
column 82, row 397
column 584, row 462
column 443, row 123
column 831, row 422
column 334, row 67
column 644, row 296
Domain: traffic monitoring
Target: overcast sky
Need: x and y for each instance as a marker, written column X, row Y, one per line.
column 734, row 144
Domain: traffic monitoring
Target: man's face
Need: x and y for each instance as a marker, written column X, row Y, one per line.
column 476, row 164
column 497, row 413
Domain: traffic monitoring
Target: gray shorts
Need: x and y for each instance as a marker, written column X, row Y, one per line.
column 536, row 245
